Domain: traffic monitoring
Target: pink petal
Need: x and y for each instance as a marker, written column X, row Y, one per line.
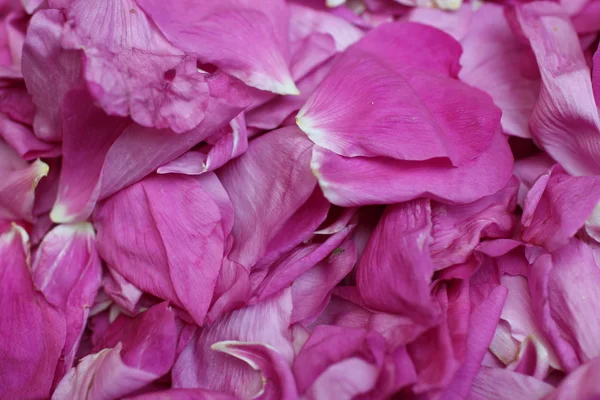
column 183, row 394
column 49, row 72
column 557, row 206
column 265, row 196
column 206, row 31
column 457, row 229
column 144, row 353
column 21, row 138
column 395, row 269
column 266, row 323
column 361, row 180
column 564, row 287
column 560, row 111
column 181, row 254
column 18, row 184
column 121, row 291
column 579, row 384
column 362, row 80
column 33, row 332
column 67, row 271
column 502, row 384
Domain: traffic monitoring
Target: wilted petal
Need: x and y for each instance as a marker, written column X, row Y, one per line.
column 457, row 229
column 180, row 255
column 276, row 374
column 362, row 180
column 267, row 323
column 67, row 270
column 207, row 30
column 33, row 331
column 49, row 72
column 144, row 352
column 557, row 206
column 395, row 269
column 18, row 184
column 564, row 122
column 565, row 286
column 266, row 196
column 368, row 85
column 503, row 384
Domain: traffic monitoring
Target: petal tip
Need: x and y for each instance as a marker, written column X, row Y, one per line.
column 59, row 214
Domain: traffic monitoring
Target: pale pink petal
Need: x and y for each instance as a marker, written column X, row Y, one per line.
column 502, row 384
column 579, row 384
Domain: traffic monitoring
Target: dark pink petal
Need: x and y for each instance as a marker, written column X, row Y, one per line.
column 395, row 270
column 180, row 255
column 355, row 98
column 266, row 323
column 557, row 206
column 21, row 138
column 565, row 123
column 18, row 184
column 67, row 271
column 141, row 352
column 565, row 286
column 502, row 384
column 33, row 331
column 49, row 72
column 256, row 53
column 457, row 229
column 267, row 186
column 362, row 180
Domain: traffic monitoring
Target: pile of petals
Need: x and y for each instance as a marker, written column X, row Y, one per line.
column 299, row 199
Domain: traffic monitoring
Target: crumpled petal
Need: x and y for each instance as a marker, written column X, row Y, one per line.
column 365, row 180
column 354, row 111
column 565, row 123
column 557, row 206
column 164, row 263
column 278, row 380
column 565, row 286
column 395, row 269
column 280, row 187
column 457, row 229
column 144, row 352
column 67, row 271
column 121, row 291
column 33, row 331
column 266, row 323
column 49, row 72
column 228, row 145
column 207, row 31
column 18, row 184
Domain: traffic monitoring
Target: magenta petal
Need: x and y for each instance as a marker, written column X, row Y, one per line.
column 502, row 384
column 67, row 271
column 206, row 30
column 181, row 254
column 353, row 112
column 33, row 332
column 279, row 383
column 266, row 323
column 21, row 138
column 18, row 184
column 361, row 180
column 559, row 111
column 280, row 186
column 395, row 270
column 565, row 286
column 145, row 351
column 557, row 206
column 49, row 72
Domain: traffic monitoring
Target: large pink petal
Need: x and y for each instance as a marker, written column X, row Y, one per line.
column 353, row 113
column 579, row 384
column 362, row 180
column 502, row 384
column 564, row 122
column 33, row 331
column 183, row 394
column 67, row 271
column 256, row 53
column 176, row 257
column 200, row 366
